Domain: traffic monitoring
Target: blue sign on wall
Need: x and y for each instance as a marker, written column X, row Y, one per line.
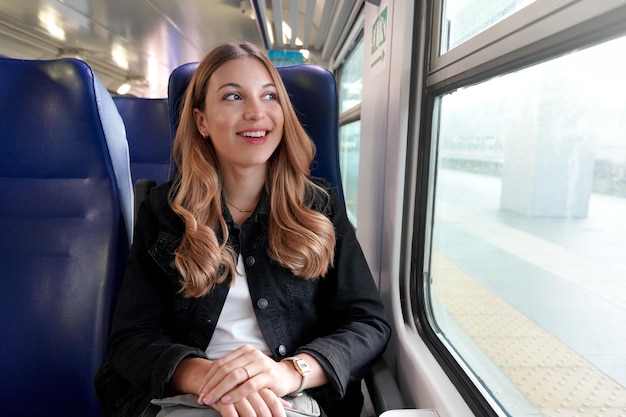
column 281, row 58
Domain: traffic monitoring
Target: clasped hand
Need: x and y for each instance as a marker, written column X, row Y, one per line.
column 245, row 382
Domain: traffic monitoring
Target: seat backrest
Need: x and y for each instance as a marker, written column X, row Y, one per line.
column 149, row 139
column 65, row 221
column 313, row 93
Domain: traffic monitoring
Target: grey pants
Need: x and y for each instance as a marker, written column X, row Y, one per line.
column 187, row 406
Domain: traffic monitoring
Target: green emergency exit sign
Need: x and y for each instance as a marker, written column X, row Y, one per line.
column 379, row 38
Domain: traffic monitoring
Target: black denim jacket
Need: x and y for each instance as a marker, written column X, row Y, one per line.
column 339, row 318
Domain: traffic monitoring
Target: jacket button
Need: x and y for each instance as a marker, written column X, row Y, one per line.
column 250, row 260
column 282, row 350
column 262, row 303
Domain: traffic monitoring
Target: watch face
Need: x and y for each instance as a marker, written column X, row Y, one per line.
column 302, row 366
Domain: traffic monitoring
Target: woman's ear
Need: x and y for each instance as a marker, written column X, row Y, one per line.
column 201, row 124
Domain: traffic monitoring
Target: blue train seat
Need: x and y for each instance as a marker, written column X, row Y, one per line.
column 65, row 221
column 149, row 140
column 313, row 93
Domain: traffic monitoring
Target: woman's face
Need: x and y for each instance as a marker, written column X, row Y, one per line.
column 242, row 116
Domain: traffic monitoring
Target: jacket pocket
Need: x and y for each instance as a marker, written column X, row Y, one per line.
column 299, row 288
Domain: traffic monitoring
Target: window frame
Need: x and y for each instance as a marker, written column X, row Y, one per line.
column 540, row 31
column 352, row 114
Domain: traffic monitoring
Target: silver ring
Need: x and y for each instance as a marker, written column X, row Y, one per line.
column 247, row 373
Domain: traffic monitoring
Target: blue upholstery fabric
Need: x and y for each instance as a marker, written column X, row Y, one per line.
column 177, row 84
column 149, row 139
column 313, row 93
column 65, row 223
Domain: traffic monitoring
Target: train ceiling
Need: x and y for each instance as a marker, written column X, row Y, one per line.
column 140, row 42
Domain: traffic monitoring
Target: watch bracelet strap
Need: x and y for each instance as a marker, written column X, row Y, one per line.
column 305, row 378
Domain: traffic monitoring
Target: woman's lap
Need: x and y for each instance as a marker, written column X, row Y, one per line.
column 187, row 406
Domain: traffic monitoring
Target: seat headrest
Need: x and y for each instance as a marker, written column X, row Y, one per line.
column 149, row 139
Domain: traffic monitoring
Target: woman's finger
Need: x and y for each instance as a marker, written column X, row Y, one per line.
column 226, row 410
column 275, row 404
column 209, row 394
column 258, row 405
column 244, row 408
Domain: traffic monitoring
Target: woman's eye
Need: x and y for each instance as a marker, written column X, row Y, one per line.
column 232, row 96
column 270, row 96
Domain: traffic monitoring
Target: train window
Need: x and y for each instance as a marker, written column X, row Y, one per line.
column 351, row 79
column 350, row 142
column 350, row 88
column 526, row 260
column 463, row 19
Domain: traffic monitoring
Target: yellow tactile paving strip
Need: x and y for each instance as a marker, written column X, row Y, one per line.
column 555, row 379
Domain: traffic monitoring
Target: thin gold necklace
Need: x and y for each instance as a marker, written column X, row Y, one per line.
column 240, row 209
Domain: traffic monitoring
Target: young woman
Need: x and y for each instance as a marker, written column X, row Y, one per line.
column 245, row 284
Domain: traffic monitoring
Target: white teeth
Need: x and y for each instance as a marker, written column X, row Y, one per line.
column 258, row 134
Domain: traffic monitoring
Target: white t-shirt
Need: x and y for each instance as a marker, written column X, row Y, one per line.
column 237, row 324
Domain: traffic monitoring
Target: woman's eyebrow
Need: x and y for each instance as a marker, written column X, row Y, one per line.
column 235, row 85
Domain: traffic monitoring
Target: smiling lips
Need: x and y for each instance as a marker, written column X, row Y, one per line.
column 256, row 137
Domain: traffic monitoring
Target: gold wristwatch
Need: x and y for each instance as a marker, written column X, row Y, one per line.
column 303, row 369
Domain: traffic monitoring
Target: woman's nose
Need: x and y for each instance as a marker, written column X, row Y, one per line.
column 254, row 110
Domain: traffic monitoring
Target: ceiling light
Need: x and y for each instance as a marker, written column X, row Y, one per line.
column 270, row 32
column 120, row 56
column 49, row 19
column 123, row 89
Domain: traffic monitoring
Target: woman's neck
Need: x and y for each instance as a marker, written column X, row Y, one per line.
column 242, row 191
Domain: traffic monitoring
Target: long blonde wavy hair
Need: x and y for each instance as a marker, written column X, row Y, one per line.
column 300, row 238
